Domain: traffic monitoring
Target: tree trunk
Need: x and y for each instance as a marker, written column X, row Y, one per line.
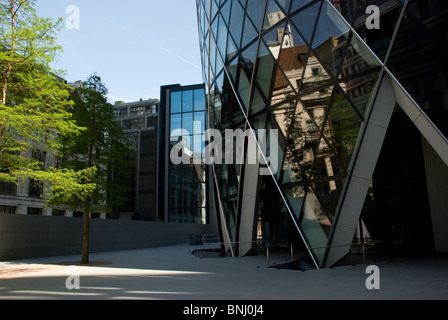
column 86, row 235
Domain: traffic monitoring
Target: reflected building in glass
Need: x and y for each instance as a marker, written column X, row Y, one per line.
column 183, row 196
column 361, row 115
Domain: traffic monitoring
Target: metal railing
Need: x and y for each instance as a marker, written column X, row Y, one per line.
column 265, row 244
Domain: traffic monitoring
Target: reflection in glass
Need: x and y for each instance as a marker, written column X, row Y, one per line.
column 176, row 102
column 330, row 38
column 199, row 100
column 359, row 74
column 315, row 224
column 187, row 101
column 187, row 181
column 305, row 21
column 345, row 124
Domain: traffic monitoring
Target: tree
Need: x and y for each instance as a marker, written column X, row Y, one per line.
column 34, row 102
column 34, row 109
column 102, row 146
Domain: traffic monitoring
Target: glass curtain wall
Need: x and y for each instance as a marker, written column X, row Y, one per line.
column 310, row 70
column 187, row 181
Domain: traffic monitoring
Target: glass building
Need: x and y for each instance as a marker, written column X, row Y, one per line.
column 359, row 102
column 183, row 185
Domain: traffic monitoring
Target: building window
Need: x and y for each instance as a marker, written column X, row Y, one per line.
column 311, row 126
column 78, row 214
column 58, row 213
column 95, row 215
column 8, row 189
column 39, row 156
column 35, row 211
column 36, row 189
column 7, row 210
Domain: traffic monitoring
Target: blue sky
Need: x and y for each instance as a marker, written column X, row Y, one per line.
column 136, row 46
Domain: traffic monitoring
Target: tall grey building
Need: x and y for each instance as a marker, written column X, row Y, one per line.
column 140, row 123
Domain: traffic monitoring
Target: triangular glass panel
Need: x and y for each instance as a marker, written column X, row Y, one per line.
column 274, row 39
column 213, row 57
column 296, row 198
column 303, row 137
column 323, row 161
column 273, row 15
column 329, row 192
column 244, row 88
column 207, row 11
column 314, row 225
column 358, row 52
column 435, row 106
column 284, row 116
column 379, row 42
column 225, row 11
column 255, row 10
column 216, row 102
column 293, row 57
column 236, row 21
column 222, row 37
column 265, row 70
column 316, row 105
column 214, row 8
column 258, row 103
column 305, row 21
column 232, row 68
column 315, row 79
column 232, row 112
column 215, row 29
column 219, row 62
column 292, row 170
column 426, row 12
column 330, row 39
column 345, row 125
column 249, row 33
column 259, row 123
column 282, row 89
column 298, row 4
column 358, row 81
column 284, row 4
column 249, row 56
column 243, row 3
column 414, row 68
column 231, row 49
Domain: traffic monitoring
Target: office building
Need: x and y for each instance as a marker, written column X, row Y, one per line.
column 359, row 103
column 139, row 121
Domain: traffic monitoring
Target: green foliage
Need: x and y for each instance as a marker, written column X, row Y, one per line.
column 35, row 102
column 63, row 186
column 102, row 145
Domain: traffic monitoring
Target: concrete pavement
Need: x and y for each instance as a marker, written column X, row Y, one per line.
column 174, row 273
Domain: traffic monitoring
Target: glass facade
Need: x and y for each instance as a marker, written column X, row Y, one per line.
column 312, row 70
column 186, row 199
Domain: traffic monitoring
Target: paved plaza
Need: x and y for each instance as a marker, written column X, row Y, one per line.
column 175, row 273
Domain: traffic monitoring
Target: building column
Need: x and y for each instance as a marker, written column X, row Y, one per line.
column 437, row 182
column 364, row 165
